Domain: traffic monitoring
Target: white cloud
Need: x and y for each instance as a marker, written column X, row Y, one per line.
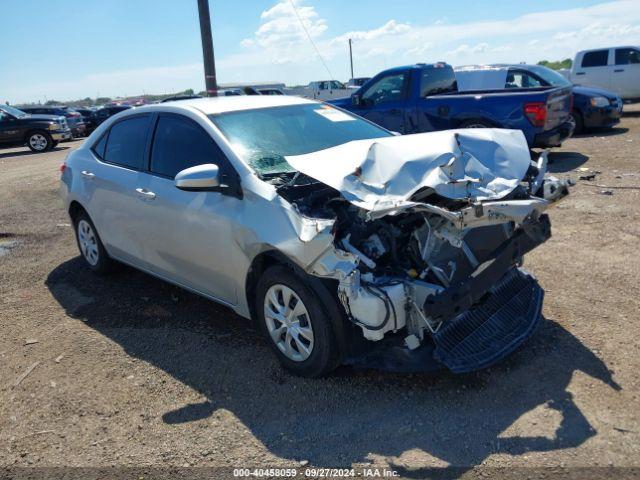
column 465, row 49
column 390, row 28
column 281, row 36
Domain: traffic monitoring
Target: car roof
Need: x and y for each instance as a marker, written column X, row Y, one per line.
column 215, row 105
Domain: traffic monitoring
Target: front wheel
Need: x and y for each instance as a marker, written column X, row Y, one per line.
column 294, row 323
column 39, row 142
column 579, row 123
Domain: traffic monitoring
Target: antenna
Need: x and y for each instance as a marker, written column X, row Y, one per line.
column 295, row 10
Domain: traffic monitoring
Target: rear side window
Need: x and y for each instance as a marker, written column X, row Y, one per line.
column 180, row 143
column 597, row 58
column 627, row 56
column 127, row 141
column 437, row 80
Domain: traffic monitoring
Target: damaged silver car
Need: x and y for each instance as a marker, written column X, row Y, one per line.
column 346, row 243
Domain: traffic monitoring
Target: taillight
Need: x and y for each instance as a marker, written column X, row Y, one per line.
column 63, row 167
column 536, row 112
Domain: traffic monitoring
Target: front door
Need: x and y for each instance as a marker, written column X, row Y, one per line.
column 384, row 101
column 594, row 70
column 188, row 234
column 10, row 129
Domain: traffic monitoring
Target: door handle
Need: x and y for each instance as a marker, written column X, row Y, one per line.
column 580, row 73
column 88, row 175
column 619, row 70
column 146, row 194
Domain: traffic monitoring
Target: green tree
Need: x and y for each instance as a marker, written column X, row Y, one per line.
column 556, row 65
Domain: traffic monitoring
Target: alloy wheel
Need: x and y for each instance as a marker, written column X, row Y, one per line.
column 38, row 142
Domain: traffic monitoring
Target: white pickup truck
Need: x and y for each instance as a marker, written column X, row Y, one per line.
column 321, row 90
column 616, row 69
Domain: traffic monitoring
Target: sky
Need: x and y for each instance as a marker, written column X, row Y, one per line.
column 70, row 49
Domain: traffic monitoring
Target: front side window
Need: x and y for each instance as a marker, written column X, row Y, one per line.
column 389, row 88
column 597, row 58
column 263, row 137
column 180, row 143
column 127, row 141
column 627, row 56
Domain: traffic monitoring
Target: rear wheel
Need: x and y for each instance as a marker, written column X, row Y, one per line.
column 90, row 245
column 294, row 323
column 475, row 124
column 39, row 141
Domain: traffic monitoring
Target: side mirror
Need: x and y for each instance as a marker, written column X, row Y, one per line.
column 198, row 178
column 356, row 99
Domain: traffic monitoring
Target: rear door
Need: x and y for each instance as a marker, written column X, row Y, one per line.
column 594, row 70
column 188, row 234
column 111, row 182
column 625, row 78
column 385, row 100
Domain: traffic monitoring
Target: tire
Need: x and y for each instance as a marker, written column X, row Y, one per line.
column 577, row 117
column 91, row 248
column 312, row 349
column 39, row 141
column 475, row 124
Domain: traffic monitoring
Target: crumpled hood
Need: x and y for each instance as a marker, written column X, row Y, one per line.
column 383, row 173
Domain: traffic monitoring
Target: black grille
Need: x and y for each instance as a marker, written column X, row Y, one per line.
column 490, row 331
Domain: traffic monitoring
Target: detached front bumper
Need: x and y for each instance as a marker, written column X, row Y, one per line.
column 60, row 135
column 555, row 136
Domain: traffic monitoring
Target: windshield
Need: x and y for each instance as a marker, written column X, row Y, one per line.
column 263, row 137
column 552, row 77
column 13, row 111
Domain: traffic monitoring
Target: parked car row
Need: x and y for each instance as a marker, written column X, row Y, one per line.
column 41, row 128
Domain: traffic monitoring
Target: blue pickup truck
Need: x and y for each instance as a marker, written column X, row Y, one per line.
column 425, row 97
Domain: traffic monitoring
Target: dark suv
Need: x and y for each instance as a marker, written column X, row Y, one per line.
column 38, row 132
column 103, row 113
column 74, row 119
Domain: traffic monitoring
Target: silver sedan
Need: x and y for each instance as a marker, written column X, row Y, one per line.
column 345, row 242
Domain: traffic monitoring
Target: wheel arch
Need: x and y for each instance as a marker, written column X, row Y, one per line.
column 75, row 208
column 325, row 289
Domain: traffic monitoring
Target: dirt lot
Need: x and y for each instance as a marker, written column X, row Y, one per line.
column 130, row 371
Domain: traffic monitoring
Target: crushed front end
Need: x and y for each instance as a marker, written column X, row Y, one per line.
column 433, row 277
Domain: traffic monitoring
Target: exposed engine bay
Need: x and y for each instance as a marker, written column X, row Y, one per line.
column 440, row 262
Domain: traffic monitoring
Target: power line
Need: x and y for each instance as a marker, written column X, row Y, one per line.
column 295, row 10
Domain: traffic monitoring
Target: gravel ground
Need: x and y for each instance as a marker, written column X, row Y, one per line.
column 130, row 371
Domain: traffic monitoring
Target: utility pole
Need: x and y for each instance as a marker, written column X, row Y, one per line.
column 207, row 49
column 351, row 57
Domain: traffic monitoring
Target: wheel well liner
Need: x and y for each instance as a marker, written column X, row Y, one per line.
column 74, row 209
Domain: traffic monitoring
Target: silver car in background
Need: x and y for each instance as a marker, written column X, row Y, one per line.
column 345, row 242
